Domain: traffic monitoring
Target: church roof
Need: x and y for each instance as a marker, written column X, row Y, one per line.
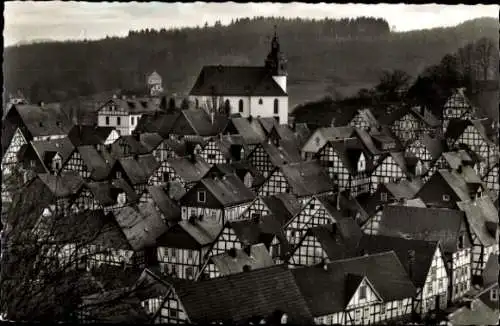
column 236, row 81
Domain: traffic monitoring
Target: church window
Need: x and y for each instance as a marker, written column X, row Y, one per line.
column 240, row 106
column 260, row 101
column 276, row 106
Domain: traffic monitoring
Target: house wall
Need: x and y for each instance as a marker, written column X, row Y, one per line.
column 226, row 241
column 181, row 263
column 461, row 273
column 259, row 159
column 407, row 127
column 308, row 253
column 372, row 225
column 435, row 286
column 255, row 209
column 172, row 311
column 166, row 172
column 76, row 164
column 491, row 180
column 212, row 154
column 457, row 106
column 387, row 171
column 10, row 157
column 275, row 184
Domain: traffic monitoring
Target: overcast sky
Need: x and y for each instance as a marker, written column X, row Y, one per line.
column 26, row 21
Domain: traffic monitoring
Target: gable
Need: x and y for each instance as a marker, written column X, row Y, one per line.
column 166, row 312
column 257, row 207
column 190, row 199
column 308, row 252
column 314, row 143
column 275, row 183
column 370, row 295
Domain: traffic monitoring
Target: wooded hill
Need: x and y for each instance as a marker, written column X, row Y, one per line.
column 325, row 57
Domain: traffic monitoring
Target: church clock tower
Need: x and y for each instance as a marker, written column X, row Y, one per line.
column 276, row 62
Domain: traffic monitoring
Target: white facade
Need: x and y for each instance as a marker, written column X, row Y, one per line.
column 122, row 121
column 263, row 106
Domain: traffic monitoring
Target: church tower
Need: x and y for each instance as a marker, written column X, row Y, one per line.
column 276, row 62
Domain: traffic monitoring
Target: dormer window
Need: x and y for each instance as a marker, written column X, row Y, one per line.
column 118, row 174
column 446, row 198
column 260, row 101
column 361, row 163
column 202, row 196
column 317, row 140
column 362, row 292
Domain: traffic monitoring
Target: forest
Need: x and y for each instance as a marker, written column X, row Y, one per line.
column 325, row 57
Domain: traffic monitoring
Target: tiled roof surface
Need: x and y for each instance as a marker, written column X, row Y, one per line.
column 307, row 178
column 228, row 190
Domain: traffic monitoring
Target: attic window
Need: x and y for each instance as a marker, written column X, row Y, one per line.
column 446, row 198
column 317, row 140
column 494, row 294
column 202, row 196
column 461, row 241
column 260, row 101
column 362, row 292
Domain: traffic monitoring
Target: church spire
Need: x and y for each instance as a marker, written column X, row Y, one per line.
column 275, row 61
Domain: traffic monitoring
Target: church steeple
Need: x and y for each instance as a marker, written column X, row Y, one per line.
column 275, row 61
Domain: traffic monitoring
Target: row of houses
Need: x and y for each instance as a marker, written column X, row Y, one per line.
column 364, row 222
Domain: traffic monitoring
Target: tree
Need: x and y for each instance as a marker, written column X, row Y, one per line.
column 44, row 257
column 486, row 54
column 391, row 84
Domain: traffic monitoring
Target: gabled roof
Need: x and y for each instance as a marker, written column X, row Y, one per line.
column 228, row 190
column 96, row 164
column 135, row 146
column 283, row 206
column 435, row 145
column 236, row 81
column 329, row 291
column 475, row 313
column 193, row 234
column 257, row 258
column 491, row 270
column 150, row 140
column 140, row 168
column 134, row 105
column 112, row 277
column 367, row 141
column 190, row 169
column 430, row 224
column 150, row 285
column 239, row 297
column 478, row 213
column 483, row 126
column 267, row 123
column 200, row 123
column 240, row 168
column 456, row 183
column 286, row 152
column 455, row 128
column 264, row 230
column 43, row 121
column 161, row 123
column 251, row 132
column 402, row 189
column 170, row 210
column 349, row 151
column 63, row 185
column 141, row 225
column 423, row 253
column 81, row 135
column 307, row 178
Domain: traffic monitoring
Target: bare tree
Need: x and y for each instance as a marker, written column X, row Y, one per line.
column 45, row 257
column 485, row 52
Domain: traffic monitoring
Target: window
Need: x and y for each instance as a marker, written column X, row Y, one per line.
column 382, row 309
column 189, row 273
column 255, row 216
column 172, row 313
column 118, row 174
column 433, row 273
column 357, row 314
column 260, row 101
column 197, row 103
column 107, row 121
column 132, row 121
column 429, row 288
column 362, row 292
column 383, row 196
column 440, row 284
column 317, row 140
column 202, row 196
column 400, row 305
column 118, row 121
column 311, row 206
column 190, row 254
column 446, row 197
column 32, row 163
column 461, row 241
column 173, row 252
column 240, row 106
column 494, row 294
column 276, row 106
column 211, row 156
column 166, row 176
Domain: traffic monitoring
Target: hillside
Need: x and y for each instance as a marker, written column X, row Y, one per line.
column 323, row 56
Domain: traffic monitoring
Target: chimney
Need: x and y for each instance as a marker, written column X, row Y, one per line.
column 232, row 252
column 192, row 219
column 124, row 97
column 41, row 104
column 247, row 268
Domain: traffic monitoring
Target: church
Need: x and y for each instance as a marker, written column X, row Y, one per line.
column 245, row 90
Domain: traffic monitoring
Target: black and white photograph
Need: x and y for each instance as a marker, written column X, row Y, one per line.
column 258, row 163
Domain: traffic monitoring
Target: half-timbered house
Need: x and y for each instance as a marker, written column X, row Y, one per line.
column 151, row 288
column 184, row 248
column 303, row 179
column 332, row 241
column 45, row 156
column 267, row 230
column 168, row 209
column 217, row 199
column 224, row 149
column 457, row 107
column 83, row 135
column 408, row 123
column 127, row 146
column 237, row 261
column 186, row 171
column 364, row 119
column 266, row 295
column 394, row 167
column 136, row 170
column 282, row 205
column 482, row 219
column 321, row 136
column 447, row 226
column 424, row 263
column 249, row 129
column 198, row 125
column 160, row 122
column 89, row 163
column 356, row 291
column 124, row 113
column 490, row 178
column 268, row 155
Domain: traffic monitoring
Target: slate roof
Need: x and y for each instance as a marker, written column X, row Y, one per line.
column 228, row 190
column 336, row 133
column 402, row 189
column 161, row 123
column 45, row 121
column 140, row 168
column 62, row 146
column 367, row 141
column 190, row 169
column 81, row 135
column 170, row 210
column 428, row 119
column 476, row 313
column 329, row 291
column 63, row 185
column 239, row 297
column 134, row 105
column 133, row 145
column 423, row 253
column 267, row 123
column 142, row 225
column 251, row 132
column 240, row 168
column 455, row 128
column 283, row 206
column 286, row 153
column 200, row 122
column 349, row 150
column 236, row 81
column 258, row 258
column 150, row 140
column 456, row 183
column 435, row 145
column 190, row 234
column 430, row 224
column 150, row 285
column 96, row 164
column 307, row 178
column 491, row 270
column 478, row 214
column 102, row 192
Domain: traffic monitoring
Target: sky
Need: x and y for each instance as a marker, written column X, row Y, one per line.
column 55, row 20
